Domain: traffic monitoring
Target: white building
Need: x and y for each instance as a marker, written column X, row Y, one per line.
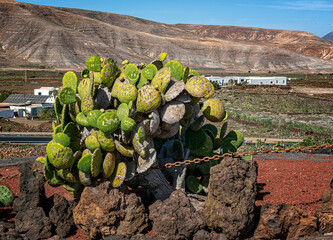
column 46, row 91
column 218, row 80
column 254, row 80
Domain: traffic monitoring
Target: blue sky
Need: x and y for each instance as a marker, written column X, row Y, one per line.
column 314, row 16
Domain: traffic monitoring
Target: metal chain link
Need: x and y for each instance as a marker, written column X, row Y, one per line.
column 236, row 154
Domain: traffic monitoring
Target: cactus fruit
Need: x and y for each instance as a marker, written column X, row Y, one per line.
column 163, row 56
column 6, row 196
column 176, row 69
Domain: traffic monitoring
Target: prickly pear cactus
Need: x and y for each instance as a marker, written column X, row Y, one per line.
column 6, row 196
column 118, row 122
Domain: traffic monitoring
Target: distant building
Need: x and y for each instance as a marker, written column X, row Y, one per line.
column 250, row 80
column 23, row 104
column 47, row 91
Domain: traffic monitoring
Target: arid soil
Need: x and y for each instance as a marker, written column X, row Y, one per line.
column 25, row 125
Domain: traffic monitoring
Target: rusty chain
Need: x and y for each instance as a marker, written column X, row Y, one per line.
column 218, row 157
column 236, row 154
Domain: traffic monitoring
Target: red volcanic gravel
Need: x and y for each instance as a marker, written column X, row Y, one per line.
column 280, row 180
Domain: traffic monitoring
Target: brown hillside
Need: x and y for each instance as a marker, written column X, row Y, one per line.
column 65, row 38
column 301, row 42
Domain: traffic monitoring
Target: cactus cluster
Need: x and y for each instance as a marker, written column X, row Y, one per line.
column 118, row 122
column 6, row 196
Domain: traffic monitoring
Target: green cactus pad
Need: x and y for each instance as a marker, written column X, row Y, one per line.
column 138, row 147
column 67, row 175
column 194, row 73
column 128, row 93
column 94, row 63
column 57, row 129
column 51, row 176
column 62, row 138
column 204, row 149
column 124, row 150
column 195, row 139
column 213, row 110
column 82, row 119
column 142, row 82
column 97, row 77
column 63, row 158
column 109, row 164
column 93, row 116
column 6, row 196
column 52, row 147
column 141, row 134
column 217, row 143
column 85, row 152
column 204, row 168
column 108, row 122
column 85, row 73
column 72, row 187
column 119, row 174
column 132, row 73
column 176, row 69
column 193, row 184
column 163, row 56
column 109, row 73
column 70, row 80
column 71, row 130
column 198, row 86
column 85, row 178
column 237, row 138
column 116, row 88
column 84, row 164
column 162, row 79
column 149, row 71
column 128, row 124
column 198, row 123
column 148, row 100
column 212, row 128
column 185, row 74
column 65, row 117
column 106, row 142
column 96, row 162
column 228, row 146
column 123, row 111
column 211, row 92
column 57, row 108
column 91, row 143
column 67, row 95
column 223, row 130
column 85, row 88
column 87, row 104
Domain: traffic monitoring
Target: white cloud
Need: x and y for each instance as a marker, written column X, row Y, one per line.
column 306, row 5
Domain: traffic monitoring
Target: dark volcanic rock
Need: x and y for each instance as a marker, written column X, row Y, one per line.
column 203, row 235
column 103, row 211
column 230, row 205
column 325, row 212
column 31, row 218
column 281, row 221
column 175, row 218
column 61, row 215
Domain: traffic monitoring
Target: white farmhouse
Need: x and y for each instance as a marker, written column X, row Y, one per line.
column 254, row 80
column 46, row 91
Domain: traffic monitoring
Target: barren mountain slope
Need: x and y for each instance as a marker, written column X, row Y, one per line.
column 329, row 36
column 302, row 42
column 65, row 38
